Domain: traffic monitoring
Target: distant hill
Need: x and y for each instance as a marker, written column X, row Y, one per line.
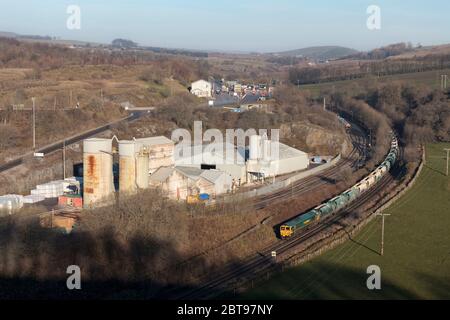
column 320, row 53
column 116, row 44
column 6, row 34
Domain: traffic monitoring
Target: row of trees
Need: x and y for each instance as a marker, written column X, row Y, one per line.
column 17, row 54
column 419, row 114
column 353, row 70
column 384, row 52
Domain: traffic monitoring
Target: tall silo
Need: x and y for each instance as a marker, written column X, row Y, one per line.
column 127, row 166
column 142, row 168
column 255, row 142
column 267, row 150
column 97, row 171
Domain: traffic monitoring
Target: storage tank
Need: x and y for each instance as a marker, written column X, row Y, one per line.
column 127, row 166
column 98, row 172
column 255, row 147
column 142, row 164
column 10, row 202
column 267, row 150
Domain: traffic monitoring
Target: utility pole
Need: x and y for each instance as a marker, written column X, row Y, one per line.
column 382, row 230
column 64, row 159
column 448, row 153
column 34, row 123
column 444, row 78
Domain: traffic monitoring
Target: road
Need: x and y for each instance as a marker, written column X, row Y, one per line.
column 77, row 138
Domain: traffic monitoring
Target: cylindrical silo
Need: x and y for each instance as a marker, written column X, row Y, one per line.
column 127, row 166
column 267, row 153
column 254, row 147
column 142, row 163
column 97, row 171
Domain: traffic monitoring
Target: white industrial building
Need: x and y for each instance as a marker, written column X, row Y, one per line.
column 160, row 150
column 181, row 182
column 272, row 158
column 213, row 168
column 221, row 156
column 201, row 88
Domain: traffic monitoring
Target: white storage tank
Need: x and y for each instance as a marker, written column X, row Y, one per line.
column 255, row 146
column 127, row 166
column 11, row 202
column 267, row 150
column 142, row 170
column 98, row 171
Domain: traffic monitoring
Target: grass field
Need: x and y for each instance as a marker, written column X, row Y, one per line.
column 354, row 87
column 416, row 261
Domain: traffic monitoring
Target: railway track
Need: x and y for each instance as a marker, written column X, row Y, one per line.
column 353, row 160
column 263, row 261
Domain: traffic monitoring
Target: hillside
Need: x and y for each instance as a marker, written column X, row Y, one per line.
column 320, row 53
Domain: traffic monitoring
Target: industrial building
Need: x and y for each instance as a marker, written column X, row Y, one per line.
column 201, row 89
column 160, row 151
column 214, row 156
column 272, row 158
column 151, row 162
column 181, row 182
column 138, row 158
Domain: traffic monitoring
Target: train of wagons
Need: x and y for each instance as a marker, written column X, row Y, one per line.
column 289, row 228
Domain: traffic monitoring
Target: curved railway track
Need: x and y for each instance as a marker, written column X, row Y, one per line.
column 354, row 159
column 263, row 262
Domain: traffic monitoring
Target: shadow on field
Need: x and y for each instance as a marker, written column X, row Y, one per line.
column 33, row 264
column 442, row 173
column 333, row 281
column 34, row 261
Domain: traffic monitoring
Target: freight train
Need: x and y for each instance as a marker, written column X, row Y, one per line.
column 289, row 228
column 347, row 124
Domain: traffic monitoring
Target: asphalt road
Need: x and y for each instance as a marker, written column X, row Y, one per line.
column 59, row 145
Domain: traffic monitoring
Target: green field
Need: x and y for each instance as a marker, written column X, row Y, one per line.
column 416, row 261
column 355, row 87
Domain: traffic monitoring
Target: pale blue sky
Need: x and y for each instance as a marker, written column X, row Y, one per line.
column 242, row 25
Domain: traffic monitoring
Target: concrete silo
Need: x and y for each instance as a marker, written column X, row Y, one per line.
column 127, row 166
column 98, row 173
column 142, row 168
column 133, row 166
column 256, row 149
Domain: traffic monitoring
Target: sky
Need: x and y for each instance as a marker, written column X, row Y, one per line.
column 242, row 25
